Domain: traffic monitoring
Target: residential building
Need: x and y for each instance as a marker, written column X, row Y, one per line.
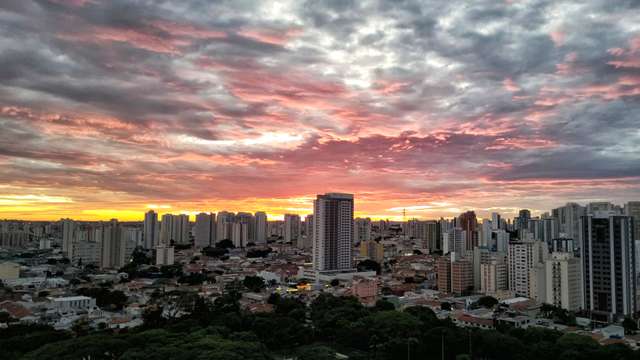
column 373, row 250
column 608, row 264
column 563, row 280
column 205, row 230
column 333, row 232
column 292, row 230
column 362, row 230
column 165, row 255
column 261, row 228
column 151, row 230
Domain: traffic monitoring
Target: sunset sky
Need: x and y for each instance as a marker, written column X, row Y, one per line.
column 109, row 109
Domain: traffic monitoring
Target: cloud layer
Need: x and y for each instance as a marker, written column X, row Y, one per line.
column 434, row 106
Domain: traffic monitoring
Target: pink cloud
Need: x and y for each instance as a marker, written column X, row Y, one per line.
column 558, row 38
column 510, row 85
column 273, row 37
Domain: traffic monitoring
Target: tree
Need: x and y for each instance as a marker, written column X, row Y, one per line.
column 225, row 244
column 215, row 252
column 630, row 325
column 315, row 352
column 254, row 283
column 487, row 302
column 139, row 257
column 369, row 265
column 384, row 305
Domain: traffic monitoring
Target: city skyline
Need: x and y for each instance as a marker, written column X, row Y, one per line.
column 192, row 215
column 109, row 109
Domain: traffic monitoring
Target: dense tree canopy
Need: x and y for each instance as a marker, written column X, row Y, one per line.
column 329, row 325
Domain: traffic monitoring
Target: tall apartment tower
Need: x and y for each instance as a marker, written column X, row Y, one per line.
column 333, row 232
column 249, row 222
column 261, row 228
column 469, row 223
column 113, row 245
column 151, row 230
column 205, row 230
column 180, row 229
column 362, row 230
column 563, row 281
column 292, row 229
column 308, row 232
column 224, row 225
column 523, row 257
column 608, row 264
column 632, row 208
column 444, row 274
column 68, row 234
column 568, row 220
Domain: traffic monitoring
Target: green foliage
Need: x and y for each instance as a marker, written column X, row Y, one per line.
column 315, row 352
column 221, row 330
column 384, row 305
column 215, row 252
column 369, row 265
column 630, row 325
column 258, row 253
column 171, row 271
column 105, row 298
column 225, row 244
column 254, row 283
column 487, row 302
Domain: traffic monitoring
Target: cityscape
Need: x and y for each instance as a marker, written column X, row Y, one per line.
column 320, row 179
column 571, row 270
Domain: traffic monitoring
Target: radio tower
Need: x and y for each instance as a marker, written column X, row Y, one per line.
column 404, row 215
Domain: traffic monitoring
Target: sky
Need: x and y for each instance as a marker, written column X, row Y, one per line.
column 111, row 108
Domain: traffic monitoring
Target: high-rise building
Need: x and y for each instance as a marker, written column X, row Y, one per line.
column 563, row 281
column 68, row 237
column 524, row 216
column 454, row 241
column 250, row 222
column 292, row 229
column 461, row 277
column 493, row 274
column 603, row 206
column 240, row 234
column 443, row 265
column 496, row 221
column 362, row 230
column 261, row 228
column 469, row 223
column 166, row 226
column 151, row 230
column 608, row 263
column 523, row 256
column 180, row 229
column 427, row 232
column 373, row 250
column 308, row 232
column 485, row 233
column 569, row 220
column 110, row 235
column 333, row 232
column 632, row 209
column 165, row 255
column 205, row 230
column 224, row 225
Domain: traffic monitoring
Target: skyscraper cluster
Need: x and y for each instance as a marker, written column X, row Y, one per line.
column 576, row 257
